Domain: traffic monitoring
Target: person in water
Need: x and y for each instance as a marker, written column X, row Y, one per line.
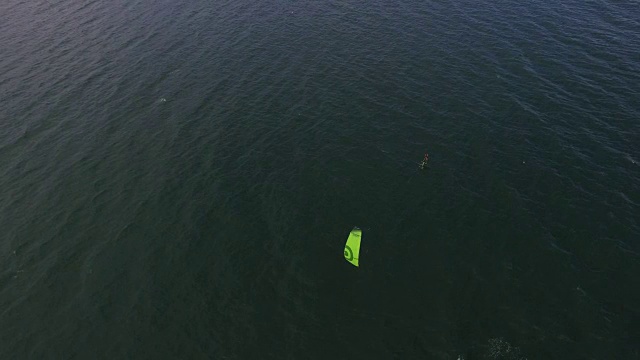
column 423, row 163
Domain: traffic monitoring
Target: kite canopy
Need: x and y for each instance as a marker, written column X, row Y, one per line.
column 352, row 247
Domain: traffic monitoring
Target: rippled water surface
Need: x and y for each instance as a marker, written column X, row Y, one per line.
column 178, row 179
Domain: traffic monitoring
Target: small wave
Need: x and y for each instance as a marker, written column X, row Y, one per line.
column 500, row 349
column 497, row 349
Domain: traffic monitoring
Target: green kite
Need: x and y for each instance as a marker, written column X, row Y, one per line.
column 352, row 247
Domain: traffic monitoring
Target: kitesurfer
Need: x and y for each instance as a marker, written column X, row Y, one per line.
column 423, row 163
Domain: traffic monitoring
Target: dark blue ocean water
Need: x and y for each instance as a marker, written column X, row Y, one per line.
column 178, row 179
